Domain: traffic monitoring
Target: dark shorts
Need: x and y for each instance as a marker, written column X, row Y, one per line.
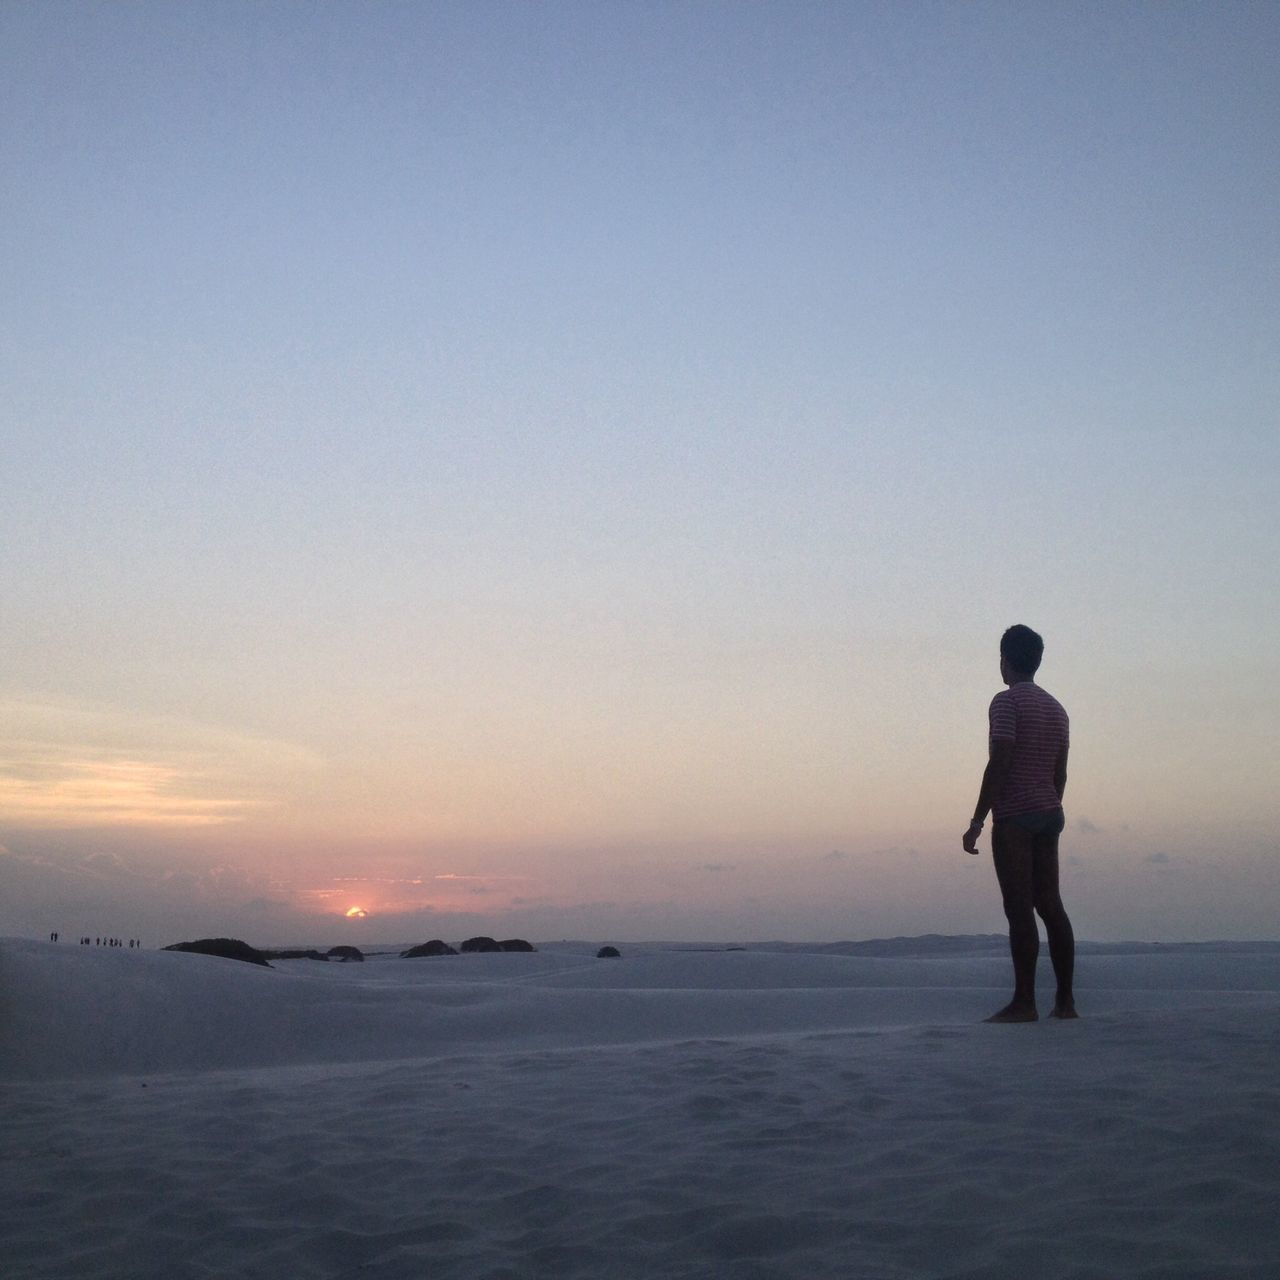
column 1048, row 823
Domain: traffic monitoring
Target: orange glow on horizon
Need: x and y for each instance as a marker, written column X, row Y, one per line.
column 357, row 913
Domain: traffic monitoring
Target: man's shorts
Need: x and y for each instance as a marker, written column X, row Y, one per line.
column 1048, row 823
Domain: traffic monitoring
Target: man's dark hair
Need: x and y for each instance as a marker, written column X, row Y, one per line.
column 1022, row 649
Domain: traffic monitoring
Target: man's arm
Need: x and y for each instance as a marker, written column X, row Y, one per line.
column 1060, row 773
column 999, row 763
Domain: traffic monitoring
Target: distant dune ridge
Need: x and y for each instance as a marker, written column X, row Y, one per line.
column 768, row 1112
column 225, row 948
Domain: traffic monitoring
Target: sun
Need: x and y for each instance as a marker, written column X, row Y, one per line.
column 357, row 913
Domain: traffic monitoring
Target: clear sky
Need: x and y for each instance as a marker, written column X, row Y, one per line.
column 564, row 469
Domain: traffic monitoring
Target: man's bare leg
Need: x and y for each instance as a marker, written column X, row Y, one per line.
column 1057, row 925
column 1011, row 848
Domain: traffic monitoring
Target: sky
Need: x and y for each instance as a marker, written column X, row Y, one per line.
column 563, row 470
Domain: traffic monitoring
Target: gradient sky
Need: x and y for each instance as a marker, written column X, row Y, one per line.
column 564, row 469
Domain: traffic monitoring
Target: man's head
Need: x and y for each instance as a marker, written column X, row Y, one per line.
column 1020, row 652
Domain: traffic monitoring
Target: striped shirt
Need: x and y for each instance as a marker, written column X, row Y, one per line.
column 1036, row 723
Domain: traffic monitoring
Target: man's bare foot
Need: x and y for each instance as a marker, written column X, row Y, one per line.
column 1064, row 1009
column 1015, row 1012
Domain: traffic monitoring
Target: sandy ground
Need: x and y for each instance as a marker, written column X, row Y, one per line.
column 757, row 1114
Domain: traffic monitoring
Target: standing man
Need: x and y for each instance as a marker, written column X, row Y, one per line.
column 1022, row 787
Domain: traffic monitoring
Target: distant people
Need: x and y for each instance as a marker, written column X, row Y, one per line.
column 1022, row 788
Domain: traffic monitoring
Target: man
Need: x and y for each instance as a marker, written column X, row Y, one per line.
column 1022, row 787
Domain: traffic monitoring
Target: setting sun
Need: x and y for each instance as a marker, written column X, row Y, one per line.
column 357, row 913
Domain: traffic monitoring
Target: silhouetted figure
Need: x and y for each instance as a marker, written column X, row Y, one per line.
column 1023, row 786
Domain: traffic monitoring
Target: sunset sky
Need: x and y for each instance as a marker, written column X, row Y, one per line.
column 562, row 470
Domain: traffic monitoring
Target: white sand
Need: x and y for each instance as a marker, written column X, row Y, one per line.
column 741, row 1114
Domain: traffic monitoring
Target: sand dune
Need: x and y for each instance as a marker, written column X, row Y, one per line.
column 746, row 1114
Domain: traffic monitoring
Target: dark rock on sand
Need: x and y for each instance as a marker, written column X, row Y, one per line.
column 344, row 954
column 227, row 948
column 516, row 944
column 608, row 953
column 433, row 948
column 481, row 944
column 294, row 955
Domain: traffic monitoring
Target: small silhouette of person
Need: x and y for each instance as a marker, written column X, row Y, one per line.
column 1022, row 787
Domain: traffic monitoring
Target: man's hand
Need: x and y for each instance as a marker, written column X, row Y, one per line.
column 970, row 840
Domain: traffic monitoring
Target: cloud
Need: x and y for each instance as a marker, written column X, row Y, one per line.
column 265, row 904
column 1160, row 859
column 716, row 867
column 401, row 896
column 836, row 855
column 100, row 887
column 449, row 875
column 1087, row 827
column 107, row 864
column 88, row 792
column 415, row 880
column 67, row 767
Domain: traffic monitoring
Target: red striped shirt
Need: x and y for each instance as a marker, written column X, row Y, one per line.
column 1036, row 723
